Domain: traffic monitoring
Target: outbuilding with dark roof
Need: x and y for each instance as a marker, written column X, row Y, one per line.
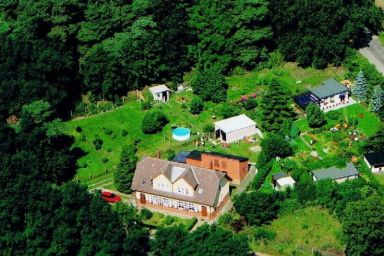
column 375, row 161
column 349, row 172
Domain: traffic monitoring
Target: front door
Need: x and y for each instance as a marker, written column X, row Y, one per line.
column 217, row 133
column 223, row 136
column 142, row 198
column 203, row 211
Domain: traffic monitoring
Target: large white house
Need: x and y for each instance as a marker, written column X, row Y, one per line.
column 160, row 92
column 375, row 161
column 176, row 187
column 236, row 128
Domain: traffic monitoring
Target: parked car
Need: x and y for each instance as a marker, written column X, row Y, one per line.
column 110, row 197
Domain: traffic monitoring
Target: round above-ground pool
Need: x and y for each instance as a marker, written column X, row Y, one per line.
column 181, row 134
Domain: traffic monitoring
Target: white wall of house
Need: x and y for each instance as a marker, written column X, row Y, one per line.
column 372, row 168
column 345, row 179
column 224, row 189
column 174, row 203
column 333, row 101
column 162, row 183
column 159, row 96
column 181, row 187
column 241, row 134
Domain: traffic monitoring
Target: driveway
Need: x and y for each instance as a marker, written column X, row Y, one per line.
column 375, row 54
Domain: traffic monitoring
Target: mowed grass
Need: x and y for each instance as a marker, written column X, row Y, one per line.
column 129, row 118
column 303, row 231
column 294, row 78
column 379, row 178
column 368, row 124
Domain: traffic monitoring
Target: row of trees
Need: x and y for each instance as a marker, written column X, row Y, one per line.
column 362, row 90
column 56, row 51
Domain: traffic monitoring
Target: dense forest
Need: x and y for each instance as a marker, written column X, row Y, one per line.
column 59, row 50
column 53, row 52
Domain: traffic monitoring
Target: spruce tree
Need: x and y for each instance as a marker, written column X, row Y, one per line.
column 376, row 100
column 126, row 168
column 361, row 87
column 276, row 105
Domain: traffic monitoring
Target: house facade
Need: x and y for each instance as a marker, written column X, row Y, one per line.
column 180, row 188
column 330, row 95
column 236, row 128
column 375, row 161
column 235, row 167
column 336, row 174
column 160, row 92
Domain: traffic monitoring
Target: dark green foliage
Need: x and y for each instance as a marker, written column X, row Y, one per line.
column 315, row 116
column 359, row 90
column 145, row 214
column 210, row 84
column 79, row 129
column 153, row 122
column 305, row 189
column 249, row 104
column 208, row 128
column 170, row 154
column 196, row 105
column 276, row 105
column 376, row 142
column 377, row 98
column 264, row 234
column 168, row 241
column 275, row 146
column 230, row 33
column 258, row 207
column 126, row 168
column 320, row 32
column 228, row 110
column 146, row 104
column 104, row 160
column 97, row 143
column 334, row 115
column 124, row 132
column 363, row 226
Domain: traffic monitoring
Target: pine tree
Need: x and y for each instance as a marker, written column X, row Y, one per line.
column 361, row 87
column 276, row 104
column 126, row 168
column 315, row 116
column 377, row 99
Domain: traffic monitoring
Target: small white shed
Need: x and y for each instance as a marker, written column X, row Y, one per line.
column 160, row 92
column 236, row 128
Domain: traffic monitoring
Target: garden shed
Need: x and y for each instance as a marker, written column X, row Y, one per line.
column 349, row 172
column 236, row 128
column 160, row 92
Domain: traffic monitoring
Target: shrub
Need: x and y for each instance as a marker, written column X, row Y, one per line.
column 168, row 220
column 225, row 219
column 153, row 122
column 249, row 104
column 228, row 110
column 190, row 225
column 145, row 214
column 79, row 129
column 264, row 234
column 107, row 131
column 146, row 104
column 124, row 132
column 104, row 160
column 170, row 154
column 196, row 105
column 315, row 116
column 208, row 128
column 83, row 138
column 98, row 143
column 109, row 150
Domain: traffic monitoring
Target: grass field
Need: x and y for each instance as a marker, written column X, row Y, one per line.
column 295, row 78
column 160, row 220
column 302, row 232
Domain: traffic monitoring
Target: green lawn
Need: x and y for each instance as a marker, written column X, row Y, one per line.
column 302, row 232
column 295, row 78
column 379, row 178
column 160, row 220
column 369, row 123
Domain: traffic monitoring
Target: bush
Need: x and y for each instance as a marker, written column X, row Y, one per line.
column 225, row 219
column 98, row 143
column 83, row 138
column 264, row 234
column 107, row 131
column 196, row 105
column 168, row 220
column 109, row 150
column 315, row 116
column 249, row 104
column 208, row 128
column 191, row 224
column 104, row 160
column 289, row 206
column 124, row 132
column 170, row 154
column 228, row 110
column 145, row 214
column 146, row 104
column 153, row 122
column 79, row 129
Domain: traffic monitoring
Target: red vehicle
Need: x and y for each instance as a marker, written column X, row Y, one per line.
column 110, row 197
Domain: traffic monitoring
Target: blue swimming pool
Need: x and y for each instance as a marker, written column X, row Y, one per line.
column 181, row 134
